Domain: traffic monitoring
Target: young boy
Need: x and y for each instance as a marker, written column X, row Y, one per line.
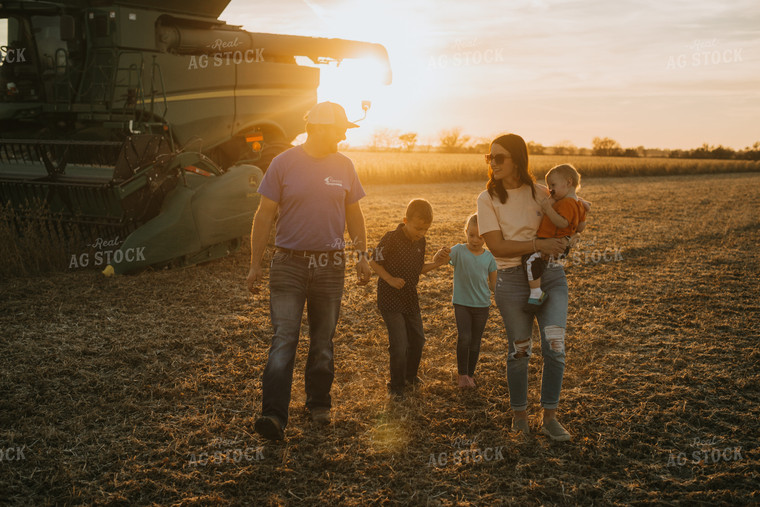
column 564, row 215
column 399, row 260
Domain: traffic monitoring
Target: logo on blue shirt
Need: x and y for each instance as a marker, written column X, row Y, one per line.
column 333, row 182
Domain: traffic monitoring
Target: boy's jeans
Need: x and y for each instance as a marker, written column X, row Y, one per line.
column 405, row 341
column 511, row 293
column 293, row 282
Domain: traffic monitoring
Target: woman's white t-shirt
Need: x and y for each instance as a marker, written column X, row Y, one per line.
column 517, row 219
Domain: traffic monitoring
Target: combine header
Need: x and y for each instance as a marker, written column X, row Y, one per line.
column 149, row 121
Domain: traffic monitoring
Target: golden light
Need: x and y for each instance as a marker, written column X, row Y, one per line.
column 351, row 81
column 389, row 436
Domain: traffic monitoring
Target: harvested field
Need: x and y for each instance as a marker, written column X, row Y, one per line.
column 143, row 389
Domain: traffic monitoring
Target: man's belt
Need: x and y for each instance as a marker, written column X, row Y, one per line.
column 307, row 253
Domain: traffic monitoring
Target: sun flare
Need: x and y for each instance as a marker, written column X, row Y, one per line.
column 355, row 80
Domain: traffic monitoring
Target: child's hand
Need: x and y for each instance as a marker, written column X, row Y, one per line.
column 442, row 255
column 396, row 283
column 547, row 202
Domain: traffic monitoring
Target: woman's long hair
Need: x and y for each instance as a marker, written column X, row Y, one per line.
column 517, row 149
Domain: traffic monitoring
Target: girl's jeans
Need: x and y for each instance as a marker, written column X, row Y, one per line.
column 471, row 321
column 511, row 294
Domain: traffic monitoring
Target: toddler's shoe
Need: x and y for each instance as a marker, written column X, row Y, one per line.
column 534, row 304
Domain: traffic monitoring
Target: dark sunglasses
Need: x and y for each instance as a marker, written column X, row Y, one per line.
column 499, row 159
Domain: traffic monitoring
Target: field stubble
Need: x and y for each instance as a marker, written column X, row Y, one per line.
column 117, row 389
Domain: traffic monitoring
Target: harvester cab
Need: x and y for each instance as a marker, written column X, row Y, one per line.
column 149, row 124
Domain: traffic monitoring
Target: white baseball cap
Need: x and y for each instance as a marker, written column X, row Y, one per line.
column 329, row 113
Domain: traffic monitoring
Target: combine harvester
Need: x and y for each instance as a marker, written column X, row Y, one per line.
column 150, row 121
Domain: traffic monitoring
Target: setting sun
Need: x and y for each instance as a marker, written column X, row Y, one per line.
column 553, row 71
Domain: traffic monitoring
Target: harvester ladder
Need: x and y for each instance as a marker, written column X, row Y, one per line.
column 102, row 76
column 157, row 74
column 128, row 80
column 115, row 81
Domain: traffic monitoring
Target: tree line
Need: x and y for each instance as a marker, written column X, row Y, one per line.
column 455, row 141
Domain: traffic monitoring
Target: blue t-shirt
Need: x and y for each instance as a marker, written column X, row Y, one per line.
column 312, row 194
column 471, row 276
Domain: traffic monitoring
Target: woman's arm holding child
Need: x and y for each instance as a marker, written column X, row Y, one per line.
column 511, row 248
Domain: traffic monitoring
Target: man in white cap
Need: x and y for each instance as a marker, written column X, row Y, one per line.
column 316, row 191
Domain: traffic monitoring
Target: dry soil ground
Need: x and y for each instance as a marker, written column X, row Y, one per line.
column 143, row 389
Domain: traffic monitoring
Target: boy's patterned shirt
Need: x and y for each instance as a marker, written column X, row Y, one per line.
column 402, row 258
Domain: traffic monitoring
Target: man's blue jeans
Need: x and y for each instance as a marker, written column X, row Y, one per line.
column 511, row 293
column 293, row 282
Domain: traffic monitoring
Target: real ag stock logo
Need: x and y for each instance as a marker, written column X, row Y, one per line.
column 464, row 53
column 704, row 53
column 226, row 451
column 16, row 453
column 106, row 252
column 236, row 57
column 465, row 451
column 705, row 452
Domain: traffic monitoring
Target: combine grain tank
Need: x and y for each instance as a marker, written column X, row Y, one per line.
column 149, row 121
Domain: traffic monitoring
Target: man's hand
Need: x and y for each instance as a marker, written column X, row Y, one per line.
column 396, row 283
column 255, row 277
column 442, row 255
column 363, row 271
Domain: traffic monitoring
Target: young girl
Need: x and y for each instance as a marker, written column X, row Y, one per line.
column 474, row 279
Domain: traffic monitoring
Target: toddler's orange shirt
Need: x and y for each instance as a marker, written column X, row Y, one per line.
column 571, row 210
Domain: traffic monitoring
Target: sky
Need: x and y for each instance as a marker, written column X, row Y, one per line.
column 662, row 74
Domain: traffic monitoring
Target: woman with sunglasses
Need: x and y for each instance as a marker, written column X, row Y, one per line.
column 509, row 214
